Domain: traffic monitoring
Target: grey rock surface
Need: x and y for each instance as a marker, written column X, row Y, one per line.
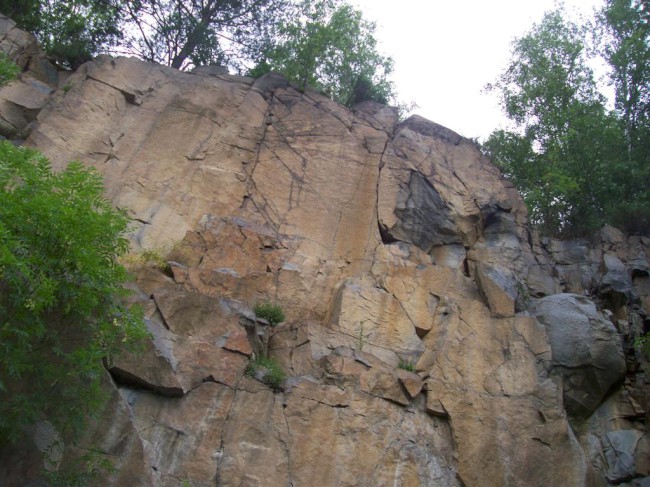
column 587, row 350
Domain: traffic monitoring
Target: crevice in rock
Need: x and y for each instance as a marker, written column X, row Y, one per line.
column 461, row 483
column 124, row 378
column 130, row 98
column 388, row 399
column 320, row 106
column 466, row 271
column 404, row 310
column 210, row 378
column 384, row 233
column 220, row 451
column 162, row 316
column 263, row 207
column 286, row 446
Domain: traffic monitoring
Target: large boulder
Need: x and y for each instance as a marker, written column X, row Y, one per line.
column 587, row 350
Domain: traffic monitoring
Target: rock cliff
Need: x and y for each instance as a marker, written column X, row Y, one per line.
column 386, row 243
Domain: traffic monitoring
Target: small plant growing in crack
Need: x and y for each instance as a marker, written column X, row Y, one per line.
column 271, row 312
column 406, row 365
column 267, row 370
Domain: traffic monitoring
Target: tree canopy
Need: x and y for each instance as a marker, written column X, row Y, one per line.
column 577, row 163
column 71, row 31
column 61, row 292
column 181, row 33
column 329, row 46
column 324, row 44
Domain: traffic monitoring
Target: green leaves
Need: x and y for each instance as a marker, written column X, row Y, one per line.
column 323, row 44
column 568, row 155
column 273, row 313
column 185, row 33
column 328, row 45
column 71, row 31
column 8, row 69
column 269, row 371
column 61, row 311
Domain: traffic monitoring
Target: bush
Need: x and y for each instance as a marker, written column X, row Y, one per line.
column 271, row 312
column 271, row 372
column 61, row 292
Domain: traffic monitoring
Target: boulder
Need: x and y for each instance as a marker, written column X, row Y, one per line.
column 587, row 350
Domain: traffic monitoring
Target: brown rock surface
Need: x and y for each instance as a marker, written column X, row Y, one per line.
column 381, row 241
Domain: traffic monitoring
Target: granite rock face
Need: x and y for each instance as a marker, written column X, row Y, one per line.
column 390, row 246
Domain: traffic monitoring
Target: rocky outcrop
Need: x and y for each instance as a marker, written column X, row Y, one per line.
column 22, row 100
column 387, row 244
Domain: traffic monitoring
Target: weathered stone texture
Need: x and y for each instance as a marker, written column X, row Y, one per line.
column 384, row 242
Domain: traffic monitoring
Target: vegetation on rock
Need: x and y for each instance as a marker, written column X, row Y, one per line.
column 406, row 365
column 577, row 163
column 182, row 33
column 61, row 292
column 8, row 69
column 328, row 45
column 269, row 311
column 270, row 371
column 71, row 31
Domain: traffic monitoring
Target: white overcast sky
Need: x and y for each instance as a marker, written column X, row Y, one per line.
column 446, row 51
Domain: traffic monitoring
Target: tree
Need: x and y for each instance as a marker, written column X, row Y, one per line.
column 625, row 45
column 24, row 13
column 182, row 33
column 626, row 48
column 61, row 291
column 329, row 46
column 325, row 44
column 567, row 144
column 71, row 31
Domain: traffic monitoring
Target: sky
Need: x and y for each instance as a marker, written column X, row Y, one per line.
column 446, row 51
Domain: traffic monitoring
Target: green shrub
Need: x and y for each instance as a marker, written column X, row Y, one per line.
column 273, row 375
column 61, row 292
column 8, row 69
column 271, row 312
column 406, row 365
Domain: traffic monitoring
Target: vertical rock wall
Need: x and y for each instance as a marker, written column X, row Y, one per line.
column 385, row 243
